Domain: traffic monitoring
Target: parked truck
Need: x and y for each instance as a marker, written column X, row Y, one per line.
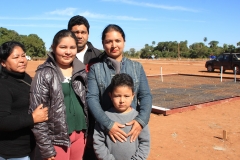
column 229, row 61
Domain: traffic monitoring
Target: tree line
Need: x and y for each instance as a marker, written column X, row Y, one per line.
column 35, row 47
column 174, row 49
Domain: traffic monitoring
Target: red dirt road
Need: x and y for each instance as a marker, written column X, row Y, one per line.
column 191, row 135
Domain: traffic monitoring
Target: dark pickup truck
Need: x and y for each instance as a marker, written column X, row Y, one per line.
column 228, row 60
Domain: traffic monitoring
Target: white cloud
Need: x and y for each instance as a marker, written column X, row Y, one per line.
column 34, row 25
column 85, row 14
column 64, row 12
column 152, row 5
column 113, row 17
column 92, row 15
column 34, row 18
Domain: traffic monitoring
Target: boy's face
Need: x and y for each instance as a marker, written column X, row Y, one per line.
column 122, row 97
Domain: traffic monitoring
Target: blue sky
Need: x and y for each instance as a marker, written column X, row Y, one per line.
column 143, row 21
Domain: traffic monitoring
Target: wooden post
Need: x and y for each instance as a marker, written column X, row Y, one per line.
column 224, row 135
column 221, row 72
column 235, row 69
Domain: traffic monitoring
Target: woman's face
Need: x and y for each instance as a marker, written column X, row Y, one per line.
column 17, row 61
column 65, row 51
column 113, row 45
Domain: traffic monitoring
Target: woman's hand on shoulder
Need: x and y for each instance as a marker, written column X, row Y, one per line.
column 135, row 131
column 116, row 133
column 40, row 114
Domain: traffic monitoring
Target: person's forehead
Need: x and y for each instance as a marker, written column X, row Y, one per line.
column 79, row 27
column 17, row 50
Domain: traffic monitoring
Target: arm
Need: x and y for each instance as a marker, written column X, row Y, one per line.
column 11, row 123
column 93, row 100
column 100, row 148
column 144, row 145
column 40, row 93
column 145, row 99
column 8, row 121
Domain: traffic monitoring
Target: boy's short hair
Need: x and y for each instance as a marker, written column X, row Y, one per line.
column 121, row 79
column 78, row 20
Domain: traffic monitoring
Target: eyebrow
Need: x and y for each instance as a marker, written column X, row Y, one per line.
column 17, row 54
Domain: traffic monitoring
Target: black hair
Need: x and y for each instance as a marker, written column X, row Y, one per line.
column 78, row 20
column 121, row 79
column 62, row 34
column 113, row 27
column 7, row 48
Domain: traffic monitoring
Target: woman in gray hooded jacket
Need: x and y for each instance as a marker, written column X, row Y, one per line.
column 60, row 84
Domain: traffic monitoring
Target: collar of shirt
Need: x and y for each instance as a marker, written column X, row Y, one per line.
column 81, row 54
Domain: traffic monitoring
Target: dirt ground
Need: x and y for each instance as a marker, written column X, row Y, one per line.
column 191, row 135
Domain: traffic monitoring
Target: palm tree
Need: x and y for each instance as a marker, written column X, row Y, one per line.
column 205, row 39
column 238, row 44
column 225, row 47
column 213, row 44
column 153, row 43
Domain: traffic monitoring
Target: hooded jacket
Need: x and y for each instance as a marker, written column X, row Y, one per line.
column 46, row 89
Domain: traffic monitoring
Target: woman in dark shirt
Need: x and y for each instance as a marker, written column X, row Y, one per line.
column 16, row 138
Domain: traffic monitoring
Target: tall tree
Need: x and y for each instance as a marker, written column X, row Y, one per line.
column 238, row 44
column 238, row 49
column 225, row 47
column 205, row 39
column 153, row 43
column 231, row 48
column 213, row 44
column 183, row 46
column 8, row 35
column 33, row 44
column 132, row 51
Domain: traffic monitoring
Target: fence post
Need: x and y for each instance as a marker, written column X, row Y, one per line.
column 221, row 72
column 235, row 69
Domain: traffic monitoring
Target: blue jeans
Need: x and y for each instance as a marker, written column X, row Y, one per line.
column 23, row 158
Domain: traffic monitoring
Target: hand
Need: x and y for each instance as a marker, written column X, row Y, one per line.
column 51, row 158
column 40, row 114
column 135, row 131
column 116, row 133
